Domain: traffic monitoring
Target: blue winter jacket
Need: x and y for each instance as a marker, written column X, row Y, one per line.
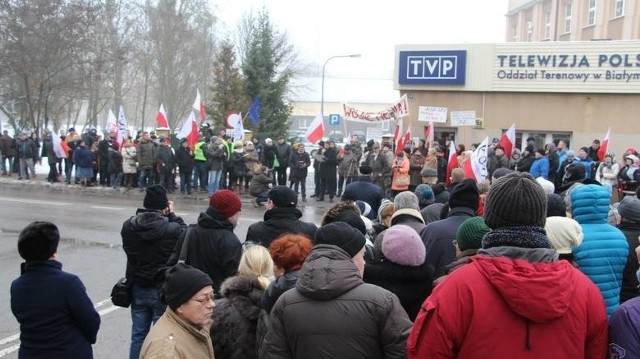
column 604, row 250
column 540, row 168
column 587, row 163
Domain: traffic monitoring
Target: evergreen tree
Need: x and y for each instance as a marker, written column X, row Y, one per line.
column 267, row 69
column 228, row 88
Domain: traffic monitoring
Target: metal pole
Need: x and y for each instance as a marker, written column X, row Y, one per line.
column 323, row 72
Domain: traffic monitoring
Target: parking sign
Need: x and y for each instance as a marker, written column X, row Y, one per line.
column 334, row 119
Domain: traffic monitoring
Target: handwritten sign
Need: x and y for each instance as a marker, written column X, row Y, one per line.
column 432, row 114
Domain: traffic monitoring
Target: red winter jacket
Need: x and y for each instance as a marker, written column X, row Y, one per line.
column 496, row 307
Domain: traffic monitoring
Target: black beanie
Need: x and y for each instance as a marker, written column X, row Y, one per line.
column 351, row 218
column 181, row 282
column 342, row 235
column 156, row 198
column 465, row 194
column 556, row 206
column 515, row 200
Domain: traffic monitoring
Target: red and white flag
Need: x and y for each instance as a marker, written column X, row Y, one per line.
column 315, row 131
column 604, row 144
column 161, row 117
column 397, row 132
column 428, row 134
column 476, row 166
column 121, row 133
column 508, row 141
column 60, row 148
column 452, row 162
column 189, row 130
column 403, row 141
column 198, row 105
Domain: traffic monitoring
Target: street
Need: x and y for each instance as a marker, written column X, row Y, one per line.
column 89, row 220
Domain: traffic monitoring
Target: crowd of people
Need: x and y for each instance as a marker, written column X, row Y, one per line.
column 538, row 260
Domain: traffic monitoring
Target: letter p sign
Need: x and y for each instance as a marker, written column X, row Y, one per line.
column 448, row 67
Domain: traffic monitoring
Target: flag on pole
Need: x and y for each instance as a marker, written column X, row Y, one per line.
column 121, row 134
column 476, row 166
column 189, row 130
column 508, row 141
column 397, row 132
column 161, row 117
column 60, row 148
column 254, row 111
column 604, row 144
column 236, row 121
column 452, row 162
column 428, row 134
column 315, row 132
column 403, row 141
column 198, row 105
column 112, row 123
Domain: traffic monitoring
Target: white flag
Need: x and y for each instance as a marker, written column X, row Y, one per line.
column 476, row 166
column 121, row 134
column 112, row 122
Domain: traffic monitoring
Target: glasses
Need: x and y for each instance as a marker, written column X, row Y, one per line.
column 204, row 300
column 454, row 242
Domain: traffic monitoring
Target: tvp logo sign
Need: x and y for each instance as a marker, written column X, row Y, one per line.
column 432, row 67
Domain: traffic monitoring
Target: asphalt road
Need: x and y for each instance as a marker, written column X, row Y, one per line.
column 89, row 221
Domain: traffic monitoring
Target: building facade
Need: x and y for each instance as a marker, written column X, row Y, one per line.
column 572, row 20
column 550, row 90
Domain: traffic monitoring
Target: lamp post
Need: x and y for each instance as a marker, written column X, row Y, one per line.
column 323, row 69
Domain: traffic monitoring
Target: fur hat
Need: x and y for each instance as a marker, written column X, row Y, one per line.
column 515, row 200
column 402, row 245
column 629, row 209
column 341, row 235
column 563, row 234
column 156, row 198
column 181, row 282
column 470, row 233
column 465, row 194
column 226, row 202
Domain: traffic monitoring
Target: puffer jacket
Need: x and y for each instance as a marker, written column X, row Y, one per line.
column 332, row 313
column 278, row 221
column 148, row 239
column 603, row 253
column 498, row 306
column 629, row 279
column 236, row 318
column 276, row 288
column 146, row 154
column 129, row 159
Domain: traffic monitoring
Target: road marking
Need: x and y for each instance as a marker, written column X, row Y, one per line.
column 4, row 352
column 109, row 208
column 35, row 201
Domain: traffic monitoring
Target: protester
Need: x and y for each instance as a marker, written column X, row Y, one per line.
column 27, row 155
column 629, row 210
column 259, row 186
column 148, row 239
column 629, row 175
column 184, row 160
column 7, row 148
column 281, row 217
column 556, row 206
column 624, row 333
column 517, row 288
column 84, row 163
column 347, row 168
column 215, row 163
column 183, row 330
column 383, row 221
column 400, row 174
column 283, row 154
column 256, row 262
column 49, row 154
column 425, row 195
column 57, row 318
column 607, row 172
column 363, row 189
column 146, row 153
column 540, row 166
column 130, row 163
column 331, row 312
column 114, row 167
column 604, row 250
column 328, row 172
column 300, row 162
column 416, row 162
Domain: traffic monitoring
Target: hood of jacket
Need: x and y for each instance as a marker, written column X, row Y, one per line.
column 282, row 213
column 539, row 291
column 590, row 204
column 406, row 213
column 148, row 224
column 328, row 273
column 213, row 219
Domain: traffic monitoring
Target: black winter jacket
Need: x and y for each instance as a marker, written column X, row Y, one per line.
column 332, row 313
column 629, row 288
column 365, row 191
column 115, row 161
column 149, row 239
column 300, row 162
column 184, row 159
column 214, row 248
column 278, row 221
column 236, row 318
column 278, row 287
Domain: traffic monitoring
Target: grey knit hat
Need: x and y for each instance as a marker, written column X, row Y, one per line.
column 515, row 200
column 629, row 209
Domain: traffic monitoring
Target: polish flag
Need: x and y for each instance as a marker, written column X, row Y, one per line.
column 60, row 148
column 397, row 132
column 189, row 130
column 602, row 151
column 402, row 142
column 476, row 166
column 161, row 117
column 428, row 134
column 315, row 132
column 508, row 141
column 198, row 105
column 121, row 133
column 452, row 162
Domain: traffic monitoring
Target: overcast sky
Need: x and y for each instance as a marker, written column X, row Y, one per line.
column 320, row 29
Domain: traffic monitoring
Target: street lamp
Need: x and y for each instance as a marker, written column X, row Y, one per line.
column 323, row 68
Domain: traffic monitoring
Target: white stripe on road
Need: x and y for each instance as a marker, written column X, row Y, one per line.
column 4, row 352
column 35, row 201
column 109, row 208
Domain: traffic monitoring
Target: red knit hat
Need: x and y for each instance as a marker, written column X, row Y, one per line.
column 226, row 202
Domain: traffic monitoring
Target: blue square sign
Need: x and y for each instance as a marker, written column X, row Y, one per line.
column 432, row 67
column 334, row 119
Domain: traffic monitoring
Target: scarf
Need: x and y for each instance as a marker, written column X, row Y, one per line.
column 522, row 237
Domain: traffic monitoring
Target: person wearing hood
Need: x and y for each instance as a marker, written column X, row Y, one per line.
column 603, row 253
column 574, row 173
column 437, row 236
column 629, row 210
column 629, row 176
column 281, row 217
column 332, row 312
column 212, row 247
column 515, row 289
column 148, row 239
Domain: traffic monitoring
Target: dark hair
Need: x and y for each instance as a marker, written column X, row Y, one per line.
column 596, row 141
column 38, row 241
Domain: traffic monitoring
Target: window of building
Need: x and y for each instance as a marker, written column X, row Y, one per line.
column 547, row 25
column 529, row 30
column 514, row 33
column 619, row 8
column 567, row 18
column 591, row 12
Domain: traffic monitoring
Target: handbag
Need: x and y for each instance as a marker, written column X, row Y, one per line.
column 121, row 293
column 401, row 180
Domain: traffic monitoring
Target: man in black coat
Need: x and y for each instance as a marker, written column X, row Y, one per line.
column 629, row 210
column 283, row 154
column 328, row 171
column 149, row 239
column 103, row 158
column 281, row 216
column 364, row 190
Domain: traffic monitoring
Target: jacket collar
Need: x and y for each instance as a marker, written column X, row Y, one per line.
column 283, row 213
column 200, row 334
column 40, row 265
column 407, row 212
